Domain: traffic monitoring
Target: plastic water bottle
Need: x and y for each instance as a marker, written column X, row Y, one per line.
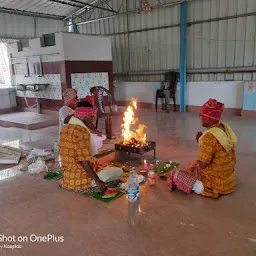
column 56, row 154
column 151, row 178
column 55, row 148
column 133, row 186
column 137, row 181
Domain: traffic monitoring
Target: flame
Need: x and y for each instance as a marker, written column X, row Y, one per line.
column 137, row 138
column 140, row 135
column 134, row 103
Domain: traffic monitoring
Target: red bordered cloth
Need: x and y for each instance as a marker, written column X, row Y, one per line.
column 82, row 112
column 183, row 180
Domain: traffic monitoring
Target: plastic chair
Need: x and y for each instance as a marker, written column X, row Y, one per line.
column 168, row 91
column 98, row 92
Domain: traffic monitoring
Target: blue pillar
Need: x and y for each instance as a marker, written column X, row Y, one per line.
column 183, row 55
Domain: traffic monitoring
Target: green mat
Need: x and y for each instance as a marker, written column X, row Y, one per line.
column 53, row 175
column 104, row 153
column 98, row 196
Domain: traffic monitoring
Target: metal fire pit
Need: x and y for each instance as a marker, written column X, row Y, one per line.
column 137, row 150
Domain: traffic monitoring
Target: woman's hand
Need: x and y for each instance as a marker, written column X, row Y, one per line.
column 198, row 135
column 191, row 167
column 67, row 119
column 90, row 170
column 100, row 134
column 98, row 165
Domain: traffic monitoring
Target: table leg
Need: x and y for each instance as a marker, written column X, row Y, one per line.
column 167, row 101
column 141, row 159
column 120, row 156
column 108, row 124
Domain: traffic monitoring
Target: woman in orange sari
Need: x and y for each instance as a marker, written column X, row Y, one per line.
column 213, row 173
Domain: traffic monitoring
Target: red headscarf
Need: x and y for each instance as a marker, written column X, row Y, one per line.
column 90, row 99
column 211, row 111
column 82, row 112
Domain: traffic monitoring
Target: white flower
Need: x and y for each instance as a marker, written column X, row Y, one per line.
column 168, row 165
column 170, row 162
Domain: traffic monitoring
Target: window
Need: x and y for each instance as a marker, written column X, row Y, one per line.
column 48, row 40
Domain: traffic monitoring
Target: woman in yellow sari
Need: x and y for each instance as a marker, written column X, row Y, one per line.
column 81, row 172
column 213, row 174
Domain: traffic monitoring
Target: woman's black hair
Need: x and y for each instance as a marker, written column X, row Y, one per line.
column 84, row 103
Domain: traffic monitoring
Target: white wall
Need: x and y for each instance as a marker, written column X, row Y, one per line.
column 7, row 98
column 34, row 54
column 125, row 91
column 53, row 90
column 48, row 54
column 69, row 46
column 86, row 48
column 230, row 93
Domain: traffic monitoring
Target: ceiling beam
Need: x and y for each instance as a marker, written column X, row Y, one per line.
column 158, row 6
column 91, row 5
column 110, row 7
column 94, row 5
column 79, row 5
column 31, row 14
column 81, row 10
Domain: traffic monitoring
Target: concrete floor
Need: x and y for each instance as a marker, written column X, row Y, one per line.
column 161, row 223
column 28, row 120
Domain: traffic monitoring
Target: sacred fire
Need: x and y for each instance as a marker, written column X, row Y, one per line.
column 132, row 138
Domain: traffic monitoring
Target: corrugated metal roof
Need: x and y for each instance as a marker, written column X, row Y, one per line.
column 49, row 7
column 19, row 27
column 221, row 34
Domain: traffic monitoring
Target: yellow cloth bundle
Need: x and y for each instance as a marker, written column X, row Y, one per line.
column 226, row 138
